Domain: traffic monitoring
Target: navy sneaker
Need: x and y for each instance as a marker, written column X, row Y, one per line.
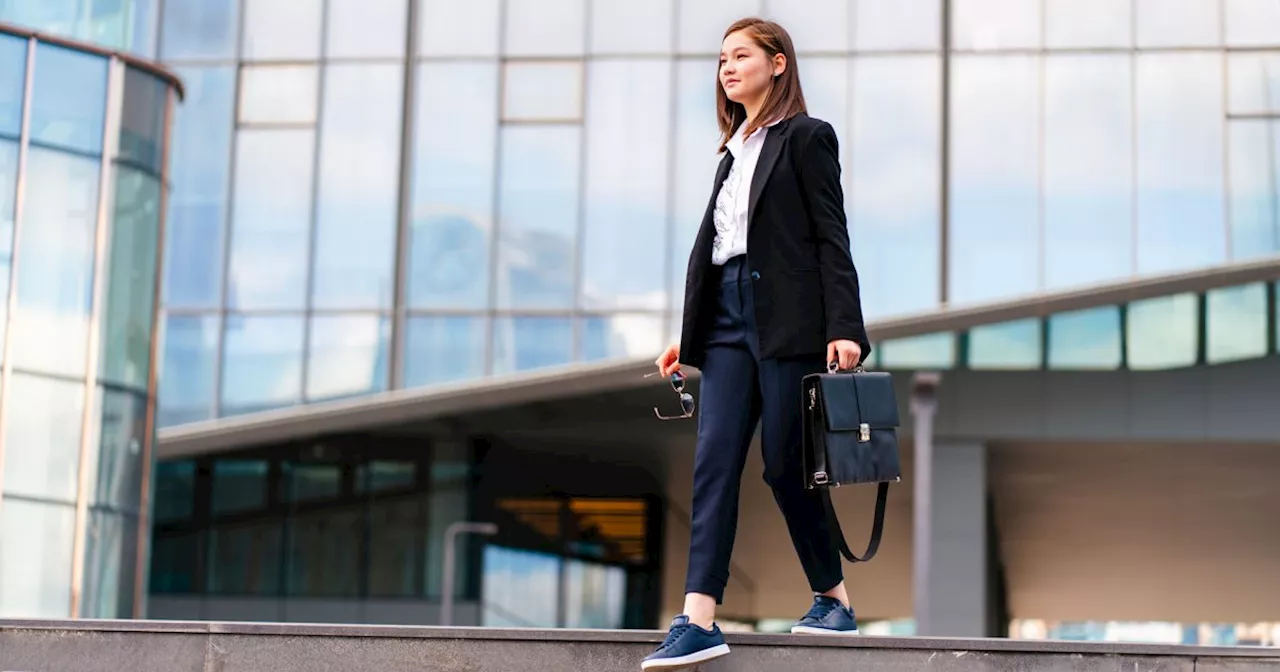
column 686, row 645
column 827, row 617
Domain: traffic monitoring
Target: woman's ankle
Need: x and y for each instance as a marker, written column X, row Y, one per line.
column 701, row 609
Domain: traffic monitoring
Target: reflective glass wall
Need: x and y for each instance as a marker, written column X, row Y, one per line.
column 83, row 140
column 372, row 194
column 127, row 25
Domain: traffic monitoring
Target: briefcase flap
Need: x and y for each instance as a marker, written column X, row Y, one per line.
column 850, row 400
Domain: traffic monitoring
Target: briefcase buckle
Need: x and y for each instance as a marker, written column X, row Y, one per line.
column 864, row 432
column 821, row 478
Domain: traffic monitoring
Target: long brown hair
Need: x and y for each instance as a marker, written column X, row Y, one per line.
column 785, row 98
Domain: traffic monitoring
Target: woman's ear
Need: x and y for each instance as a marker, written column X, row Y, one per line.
column 779, row 64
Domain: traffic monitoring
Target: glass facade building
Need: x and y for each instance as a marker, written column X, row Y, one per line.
column 83, row 146
column 380, row 194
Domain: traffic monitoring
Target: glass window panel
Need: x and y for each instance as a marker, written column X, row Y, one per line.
column 893, row 194
column 453, row 177
column 1085, row 339
column 271, row 219
column 1276, row 314
column 1088, row 170
column 1009, row 345
column 897, row 24
column 625, row 232
column 366, row 28
column 995, row 194
column 523, row 585
column 175, row 489
column 452, row 28
column 200, row 29
column 142, row 119
column 539, row 90
column 545, row 28
column 1253, row 82
column 143, row 29
column 619, row 336
column 68, row 99
column 359, row 173
column 8, row 192
column 131, row 279
column 538, row 211
column 42, row 432
column 826, row 93
column 596, row 595
column 239, row 485
column 174, row 562
column 348, row 355
column 385, row 475
column 1088, row 23
column 1254, row 187
column 695, row 163
column 199, row 167
column 263, row 363
column 523, row 343
column 996, row 24
column 55, row 279
column 324, row 554
column 930, row 351
column 281, row 30
column 13, row 77
column 1252, row 23
column 110, row 564
column 35, row 575
column 613, row 26
column 246, row 559
column 448, row 503
column 189, row 369
column 814, row 25
column 117, row 457
column 1178, row 23
column 278, row 94
column 1163, row 333
column 1180, row 161
column 56, row 17
column 394, row 530
column 703, row 22
column 306, row 482
column 443, row 349
column 1237, row 323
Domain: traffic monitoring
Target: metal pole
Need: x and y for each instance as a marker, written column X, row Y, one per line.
column 924, row 406
column 447, row 581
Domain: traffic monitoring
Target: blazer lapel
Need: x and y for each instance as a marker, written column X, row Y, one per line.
column 773, row 142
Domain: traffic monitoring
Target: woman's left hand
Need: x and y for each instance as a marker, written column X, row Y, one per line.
column 846, row 353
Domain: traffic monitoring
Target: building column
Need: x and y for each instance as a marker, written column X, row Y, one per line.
column 956, row 592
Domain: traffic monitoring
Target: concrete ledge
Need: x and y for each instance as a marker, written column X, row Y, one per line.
column 168, row 646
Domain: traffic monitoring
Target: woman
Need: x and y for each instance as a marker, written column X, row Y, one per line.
column 771, row 295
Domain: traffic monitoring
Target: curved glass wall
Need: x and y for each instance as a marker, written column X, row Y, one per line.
column 83, row 141
column 372, row 194
column 126, row 25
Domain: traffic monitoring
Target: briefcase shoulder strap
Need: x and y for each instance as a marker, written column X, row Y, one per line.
column 877, row 527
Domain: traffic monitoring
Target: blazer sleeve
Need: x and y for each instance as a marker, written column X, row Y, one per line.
column 820, row 173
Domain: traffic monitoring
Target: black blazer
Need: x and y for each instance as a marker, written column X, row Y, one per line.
column 806, row 287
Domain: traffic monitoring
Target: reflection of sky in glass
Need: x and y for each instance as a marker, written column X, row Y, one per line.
column 449, row 27
column 1254, row 172
column 276, row 30
column 995, row 179
column 188, row 369
column 620, row 336
column 13, row 75
column 893, row 193
column 1085, row 339
column 627, row 168
column 262, row 368
column 695, row 162
column 519, row 588
column 68, row 99
column 896, row 24
column 1088, row 23
column 348, row 355
column 926, row 351
column 996, row 24
column 523, row 343
column 199, row 29
column 1162, row 333
column 1237, row 323
column 538, row 211
column 1009, row 345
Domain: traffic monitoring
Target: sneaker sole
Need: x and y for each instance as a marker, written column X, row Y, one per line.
column 686, row 661
column 809, row 630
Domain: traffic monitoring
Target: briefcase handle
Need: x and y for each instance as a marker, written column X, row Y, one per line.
column 834, row 367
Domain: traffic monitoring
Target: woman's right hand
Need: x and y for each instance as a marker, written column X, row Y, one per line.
column 669, row 361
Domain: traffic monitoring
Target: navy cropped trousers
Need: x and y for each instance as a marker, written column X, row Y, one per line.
column 737, row 392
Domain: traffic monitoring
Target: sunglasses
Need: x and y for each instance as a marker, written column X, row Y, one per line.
column 686, row 400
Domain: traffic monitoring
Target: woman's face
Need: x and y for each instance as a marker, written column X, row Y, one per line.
column 745, row 69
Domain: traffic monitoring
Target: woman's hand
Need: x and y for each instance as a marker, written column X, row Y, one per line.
column 669, row 361
column 846, row 353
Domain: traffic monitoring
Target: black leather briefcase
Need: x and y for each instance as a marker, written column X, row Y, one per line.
column 851, row 436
